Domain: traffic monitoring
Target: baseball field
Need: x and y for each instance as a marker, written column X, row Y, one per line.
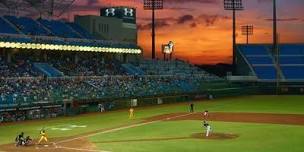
column 239, row 124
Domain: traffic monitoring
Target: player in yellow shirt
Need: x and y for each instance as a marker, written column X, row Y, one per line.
column 131, row 113
column 43, row 136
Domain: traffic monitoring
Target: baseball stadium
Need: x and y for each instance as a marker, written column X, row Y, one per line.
column 73, row 81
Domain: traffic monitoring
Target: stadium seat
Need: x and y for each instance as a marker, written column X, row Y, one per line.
column 293, row 72
column 6, row 28
column 253, row 50
column 292, row 59
column 27, row 26
column 80, row 30
column 260, row 60
column 265, row 72
column 59, row 28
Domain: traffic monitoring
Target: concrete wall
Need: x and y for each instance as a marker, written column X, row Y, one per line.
column 107, row 28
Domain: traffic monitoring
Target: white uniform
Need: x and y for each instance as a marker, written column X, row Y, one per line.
column 208, row 130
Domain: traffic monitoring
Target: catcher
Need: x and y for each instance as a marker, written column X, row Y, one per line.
column 20, row 140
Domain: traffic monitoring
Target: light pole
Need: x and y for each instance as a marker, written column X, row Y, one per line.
column 233, row 5
column 274, row 26
column 275, row 48
column 153, row 5
column 247, row 30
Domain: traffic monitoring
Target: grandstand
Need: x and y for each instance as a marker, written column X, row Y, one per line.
column 258, row 60
column 50, row 65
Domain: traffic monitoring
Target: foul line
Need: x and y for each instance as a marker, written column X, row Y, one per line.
column 122, row 128
column 79, row 149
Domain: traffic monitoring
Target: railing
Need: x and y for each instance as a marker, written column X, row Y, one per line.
column 106, row 76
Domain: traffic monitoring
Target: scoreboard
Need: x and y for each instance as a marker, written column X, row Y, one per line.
column 127, row 14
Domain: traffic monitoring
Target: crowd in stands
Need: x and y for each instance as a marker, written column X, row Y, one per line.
column 136, row 86
column 89, row 79
column 21, row 68
column 92, row 67
column 174, row 67
column 21, row 82
column 40, row 90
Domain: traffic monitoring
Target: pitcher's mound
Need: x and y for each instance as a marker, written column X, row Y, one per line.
column 217, row 136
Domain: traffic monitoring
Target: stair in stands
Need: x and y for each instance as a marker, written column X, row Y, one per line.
column 72, row 29
column 131, row 69
column 45, row 28
column 12, row 25
column 48, row 70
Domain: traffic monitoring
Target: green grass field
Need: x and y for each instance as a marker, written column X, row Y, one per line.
column 253, row 137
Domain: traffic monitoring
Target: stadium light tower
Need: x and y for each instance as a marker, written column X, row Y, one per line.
column 247, row 30
column 153, row 5
column 275, row 33
column 233, row 5
column 275, row 48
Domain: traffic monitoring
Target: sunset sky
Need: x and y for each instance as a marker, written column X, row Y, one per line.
column 201, row 29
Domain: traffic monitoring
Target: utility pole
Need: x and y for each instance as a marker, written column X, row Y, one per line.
column 247, row 30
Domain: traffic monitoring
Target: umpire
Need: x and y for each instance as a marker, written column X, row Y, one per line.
column 191, row 107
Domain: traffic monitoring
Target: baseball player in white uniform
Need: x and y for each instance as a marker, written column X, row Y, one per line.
column 208, row 128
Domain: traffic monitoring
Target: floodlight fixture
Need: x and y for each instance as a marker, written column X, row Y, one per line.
column 233, row 5
column 153, row 4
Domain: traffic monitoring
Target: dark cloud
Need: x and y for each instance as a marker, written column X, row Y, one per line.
column 168, row 19
column 184, row 19
column 179, row 8
column 265, row 1
column 193, row 25
column 284, row 19
column 192, row 1
column 164, row 22
column 210, row 20
column 158, row 24
column 85, row 8
column 207, row 20
column 92, row 2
